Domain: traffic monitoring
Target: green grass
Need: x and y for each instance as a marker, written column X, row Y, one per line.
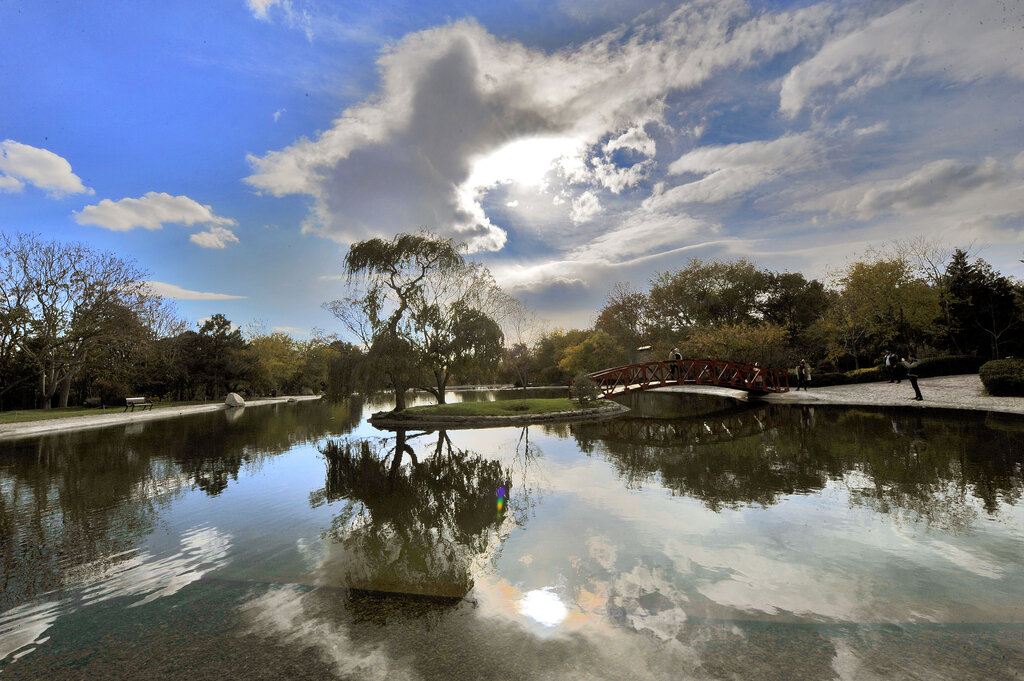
column 26, row 415
column 497, row 408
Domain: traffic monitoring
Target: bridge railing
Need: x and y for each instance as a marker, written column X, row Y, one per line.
column 645, row 375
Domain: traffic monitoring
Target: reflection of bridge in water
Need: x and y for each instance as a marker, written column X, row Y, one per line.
column 646, row 375
column 721, row 427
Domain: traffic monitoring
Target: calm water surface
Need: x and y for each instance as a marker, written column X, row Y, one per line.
column 296, row 541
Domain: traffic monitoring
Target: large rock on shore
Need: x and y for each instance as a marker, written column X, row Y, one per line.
column 234, row 400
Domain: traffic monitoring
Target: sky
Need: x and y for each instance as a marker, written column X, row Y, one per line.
column 235, row 148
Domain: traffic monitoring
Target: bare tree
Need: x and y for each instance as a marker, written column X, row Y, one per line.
column 72, row 296
column 521, row 326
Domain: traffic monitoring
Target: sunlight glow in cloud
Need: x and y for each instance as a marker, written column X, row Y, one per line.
column 460, row 110
column 525, row 161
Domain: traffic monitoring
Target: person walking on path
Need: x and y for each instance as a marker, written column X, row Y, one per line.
column 803, row 375
column 910, row 364
column 673, row 368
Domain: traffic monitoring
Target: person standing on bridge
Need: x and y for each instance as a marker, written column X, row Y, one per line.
column 673, row 368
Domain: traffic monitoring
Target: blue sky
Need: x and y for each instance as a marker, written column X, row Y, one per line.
column 235, row 148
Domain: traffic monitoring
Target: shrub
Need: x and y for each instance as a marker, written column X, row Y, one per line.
column 946, row 365
column 867, row 375
column 930, row 366
column 824, row 378
column 111, row 392
column 583, row 389
column 1003, row 377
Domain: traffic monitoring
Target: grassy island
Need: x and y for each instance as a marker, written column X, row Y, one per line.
column 497, row 408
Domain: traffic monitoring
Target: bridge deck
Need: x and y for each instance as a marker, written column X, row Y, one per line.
column 646, row 375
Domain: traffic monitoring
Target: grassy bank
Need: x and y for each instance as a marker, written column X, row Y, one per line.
column 497, row 408
column 27, row 415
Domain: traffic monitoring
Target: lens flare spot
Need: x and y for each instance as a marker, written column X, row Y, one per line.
column 543, row 606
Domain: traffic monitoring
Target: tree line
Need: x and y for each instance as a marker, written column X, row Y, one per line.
column 79, row 324
column 908, row 298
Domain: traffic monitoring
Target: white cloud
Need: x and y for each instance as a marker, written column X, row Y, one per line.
column 277, row 114
column 512, row 204
column 956, row 189
column 597, row 265
column 872, row 129
column 1018, row 161
column 21, row 163
column 292, row 330
column 636, row 139
column 585, row 207
column 641, row 233
column 618, row 178
column 639, row 237
column 215, row 237
column 292, row 17
column 10, row 184
column 454, row 96
column 958, row 41
column 259, row 8
column 165, row 290
column 733, row 169
column 151, row 211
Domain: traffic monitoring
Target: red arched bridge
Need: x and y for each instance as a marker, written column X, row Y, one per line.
column 646, row 375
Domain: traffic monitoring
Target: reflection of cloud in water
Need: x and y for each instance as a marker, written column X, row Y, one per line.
column 279, row 614
column 202, row 550
column 747, row 579
column 829, row 558
column 25, row 625
column 971, row 562
column 582, row 650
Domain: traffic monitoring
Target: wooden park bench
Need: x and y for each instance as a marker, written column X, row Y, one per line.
column 137, row 402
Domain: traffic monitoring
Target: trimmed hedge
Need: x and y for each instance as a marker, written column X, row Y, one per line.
column 1003, row 377
column 948, row 365
column 867, row 375
column 926, row 368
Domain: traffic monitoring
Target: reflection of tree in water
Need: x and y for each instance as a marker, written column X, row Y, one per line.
column 415, row 528
column 928, row 469
column 71, row 501
column 212, row 457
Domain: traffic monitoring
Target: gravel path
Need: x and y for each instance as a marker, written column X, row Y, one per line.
column 113, row 417
column 945, row 392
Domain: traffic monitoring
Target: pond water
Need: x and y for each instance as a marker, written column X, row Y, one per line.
column 296, row 541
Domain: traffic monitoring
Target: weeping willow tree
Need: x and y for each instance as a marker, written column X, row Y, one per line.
column 422, row 312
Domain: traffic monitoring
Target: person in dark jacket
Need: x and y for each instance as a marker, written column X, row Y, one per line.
column 890, row 366
column 910, row 366
column 803, row 375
